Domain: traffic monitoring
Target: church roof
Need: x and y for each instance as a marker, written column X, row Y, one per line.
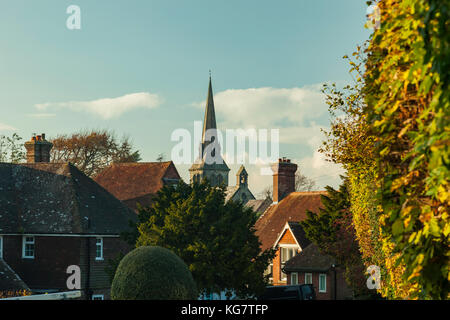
column 210, row 114
column 241, row 170
column 259, row 205
column 209, row 123
column 230, row 192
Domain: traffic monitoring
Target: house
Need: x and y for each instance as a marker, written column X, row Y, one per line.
column 312, row 267
column 278, row 227
column 137, row 182
column 52, row 216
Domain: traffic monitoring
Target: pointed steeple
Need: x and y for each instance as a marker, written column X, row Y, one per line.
column 210, row 164
column 210, row 114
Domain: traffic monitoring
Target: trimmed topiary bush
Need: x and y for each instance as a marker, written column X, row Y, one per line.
column 153, row 273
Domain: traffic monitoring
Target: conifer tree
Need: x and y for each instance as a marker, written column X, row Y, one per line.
column 215, row 238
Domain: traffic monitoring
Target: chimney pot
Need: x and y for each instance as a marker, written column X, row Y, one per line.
column 283, row 179
column 38, row 149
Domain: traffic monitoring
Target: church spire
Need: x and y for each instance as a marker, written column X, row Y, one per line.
column 210, row 164
column 210, row 114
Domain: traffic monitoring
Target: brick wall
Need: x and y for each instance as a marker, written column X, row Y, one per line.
column 287, row 238
column 52, row 257
column 343, row 291
column 54, row 254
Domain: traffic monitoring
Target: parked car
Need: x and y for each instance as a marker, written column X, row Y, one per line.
column 291, row 292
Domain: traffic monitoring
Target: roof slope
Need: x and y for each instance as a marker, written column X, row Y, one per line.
column 128, row 181
column 57, row 198
column 9, row 280
column 291, row 208
column 309, row 259
column 299, row 234
column 259, row 205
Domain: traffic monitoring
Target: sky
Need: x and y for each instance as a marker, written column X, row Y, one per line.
column 141, row 69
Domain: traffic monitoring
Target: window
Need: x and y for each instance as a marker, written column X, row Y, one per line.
column 1, row 246
column 294, row 278
column 99, row 249
column 322, row 283
column 308, row 278
column 28, row 247
column 270, row 271
column 286, row 254
column 98, row 297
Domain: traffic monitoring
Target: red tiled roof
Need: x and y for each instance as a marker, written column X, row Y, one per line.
column 292, row 208
column 127, row 181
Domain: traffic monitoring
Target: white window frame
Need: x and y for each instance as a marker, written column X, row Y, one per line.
column 1, row 246
column 306, row 277
column 269, row 271
column 24, row 245
column 296, row 278
column 101, row 249
column 98, row 297
column 324, row 290
column 289, row 247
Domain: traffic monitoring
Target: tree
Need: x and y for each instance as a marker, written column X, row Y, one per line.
column 153, row 273
column 407, row 94
column 92, row 151
column 216, row 239
column 160, row 157
column 393, row 141
column 302, row 183
column 350, row 143
column 333, row 233
column 11, row 150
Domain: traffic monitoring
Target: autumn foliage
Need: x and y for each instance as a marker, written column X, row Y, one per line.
column 391, row 133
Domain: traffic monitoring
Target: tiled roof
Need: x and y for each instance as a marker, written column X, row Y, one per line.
column 292, row 208
column 9, row 280
column 57, row 198
column 299, row 234
column 259, row 205
column 230, row 192
column 127, row 181
column 309, row 260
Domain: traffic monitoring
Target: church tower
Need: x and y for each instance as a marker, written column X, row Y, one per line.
column 210, row 164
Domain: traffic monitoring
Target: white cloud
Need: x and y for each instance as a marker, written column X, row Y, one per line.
column 6, row 127
column 41, row 115
column 295, row 111
column 299, row 114
column 108, row 108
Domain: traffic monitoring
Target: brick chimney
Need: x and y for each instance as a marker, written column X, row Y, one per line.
column 283, row 179
column 38, row 149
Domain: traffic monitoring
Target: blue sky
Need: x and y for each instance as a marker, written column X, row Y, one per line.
column 267, row 58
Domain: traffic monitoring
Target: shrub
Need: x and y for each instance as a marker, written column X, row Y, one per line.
column 153, row 273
